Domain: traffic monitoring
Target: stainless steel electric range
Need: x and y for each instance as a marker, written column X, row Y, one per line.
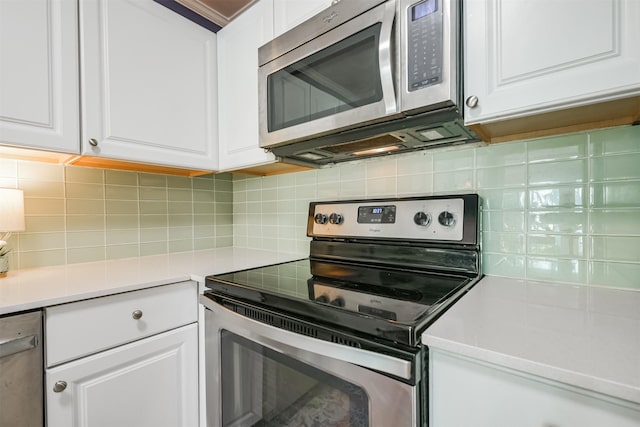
column 334, row 339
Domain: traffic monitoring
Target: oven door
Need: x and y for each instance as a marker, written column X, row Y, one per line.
column 258, row 374
column 335, row 81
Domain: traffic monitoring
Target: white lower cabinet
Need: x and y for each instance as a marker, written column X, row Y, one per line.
column 468, row 393
column 129, row 359
column 149, row 383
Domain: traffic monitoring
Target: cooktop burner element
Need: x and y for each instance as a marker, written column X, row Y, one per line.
column 383, row 268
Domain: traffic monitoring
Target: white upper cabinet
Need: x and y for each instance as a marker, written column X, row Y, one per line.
column 238, row 45
column 39, row 74
column 531, row 57
column 289, row 13
column 149, row 85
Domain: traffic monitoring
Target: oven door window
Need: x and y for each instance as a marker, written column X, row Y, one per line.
column 342, row 77
column 261, row 387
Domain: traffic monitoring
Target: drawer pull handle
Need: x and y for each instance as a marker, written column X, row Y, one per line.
column 59, row 386
column 137, row 314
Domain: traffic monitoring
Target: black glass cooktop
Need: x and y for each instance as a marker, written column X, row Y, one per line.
column 394, row 304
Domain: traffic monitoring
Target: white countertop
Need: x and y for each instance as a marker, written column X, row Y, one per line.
column 40, row 287
column 584, row 336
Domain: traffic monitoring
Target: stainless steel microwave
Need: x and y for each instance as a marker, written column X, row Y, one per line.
column 364, row 78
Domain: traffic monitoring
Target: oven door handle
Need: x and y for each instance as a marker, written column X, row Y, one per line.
column 295, row 344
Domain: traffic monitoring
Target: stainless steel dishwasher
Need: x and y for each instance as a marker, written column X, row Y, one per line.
column 21, row 400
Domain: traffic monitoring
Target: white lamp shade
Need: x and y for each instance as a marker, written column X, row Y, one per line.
column 11, row 210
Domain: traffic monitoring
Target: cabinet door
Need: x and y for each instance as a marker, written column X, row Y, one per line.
column 238, row 45
column 465, row 393
column 149, row 83
column 39, row 74
column 149, row 383
column 526, row 57
column 289, row 13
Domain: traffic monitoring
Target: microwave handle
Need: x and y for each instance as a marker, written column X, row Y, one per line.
column 385, row 50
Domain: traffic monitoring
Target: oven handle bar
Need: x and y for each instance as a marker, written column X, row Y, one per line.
column 282, row 340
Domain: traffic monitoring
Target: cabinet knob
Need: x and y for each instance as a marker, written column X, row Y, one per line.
column 137, row 314
column 93, row 142
column 472, row 101
column 59, row 386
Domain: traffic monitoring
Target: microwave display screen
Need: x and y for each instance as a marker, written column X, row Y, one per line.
column 377, row 214
column 423, row 9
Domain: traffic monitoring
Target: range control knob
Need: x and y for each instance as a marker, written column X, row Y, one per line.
column 320, row 218
column 338, row 302
column 446, row 219
column 336, row 218
column 323, row 299
column 421, row 218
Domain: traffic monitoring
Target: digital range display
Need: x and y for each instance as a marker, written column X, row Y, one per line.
column 377, row 214
column 423, row 9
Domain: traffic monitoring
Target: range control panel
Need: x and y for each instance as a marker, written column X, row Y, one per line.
column 429, row 218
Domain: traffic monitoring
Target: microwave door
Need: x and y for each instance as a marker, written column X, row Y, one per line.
column 338, row 80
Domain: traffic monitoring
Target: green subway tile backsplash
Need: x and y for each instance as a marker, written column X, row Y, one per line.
column 619, row 140
column 558, row 173
column 623, row 194
column 501, row 155
column 553, row 149
column 40, row 172
column 564, row 208
column 561, row 196
column 500, row 177
column 121, row 178
column 615, row 274
column 453, row 160
column 563, row 221
column 623, row 222
column 615, row 167
column 500, row 221
column 76, row 214
column 615, row 248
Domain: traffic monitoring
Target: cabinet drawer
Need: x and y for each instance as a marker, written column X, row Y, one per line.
column 85, row 327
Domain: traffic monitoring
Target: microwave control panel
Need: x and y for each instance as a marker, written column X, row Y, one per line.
column 424, row 44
